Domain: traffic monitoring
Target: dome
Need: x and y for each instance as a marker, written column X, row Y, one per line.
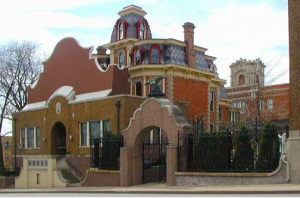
column 131, row 24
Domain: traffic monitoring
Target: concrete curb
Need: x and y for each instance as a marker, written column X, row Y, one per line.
column 163, row 189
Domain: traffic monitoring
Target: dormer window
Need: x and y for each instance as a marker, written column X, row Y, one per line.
column 154, row 53
column 213, row 68
column 142, row 31
column 121, row 31
column 154, row 56
column 121, row 60
column 137, row 57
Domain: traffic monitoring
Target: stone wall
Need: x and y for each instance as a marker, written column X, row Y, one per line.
column 279, row 176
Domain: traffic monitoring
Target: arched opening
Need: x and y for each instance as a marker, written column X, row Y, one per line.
column 241, row 79
column 58, row 139
column 150, row 146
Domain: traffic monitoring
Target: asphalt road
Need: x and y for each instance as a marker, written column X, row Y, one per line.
column 99, row 195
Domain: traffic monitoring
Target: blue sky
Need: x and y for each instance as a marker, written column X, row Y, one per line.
column 229, row 29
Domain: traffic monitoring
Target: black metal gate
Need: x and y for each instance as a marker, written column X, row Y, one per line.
column 154, row 162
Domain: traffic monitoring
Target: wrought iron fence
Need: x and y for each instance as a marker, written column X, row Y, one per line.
column 239, row 151
column 105, row 153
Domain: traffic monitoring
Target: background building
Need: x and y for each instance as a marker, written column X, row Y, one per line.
column 255, row 100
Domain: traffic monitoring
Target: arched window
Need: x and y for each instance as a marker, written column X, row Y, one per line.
column 241, row 79
column 121, row 60
column 137, row 57
column 142, row 31
column 121, row 31
column 154, row 56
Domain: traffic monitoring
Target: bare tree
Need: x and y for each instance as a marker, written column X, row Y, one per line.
column 20, row 66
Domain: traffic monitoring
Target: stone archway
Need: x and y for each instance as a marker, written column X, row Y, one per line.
column 153, row 112
column 58, row 139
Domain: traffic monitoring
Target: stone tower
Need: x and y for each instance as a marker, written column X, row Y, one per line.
column 244, row 72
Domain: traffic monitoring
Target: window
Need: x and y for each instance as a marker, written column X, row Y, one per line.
column 242, row 80
column 154, row 56
column 138, row 89
column 38, row 137
column 6, row 157
column 30, row 137
column 121, row 60
column 211, row 101
column 89, row 131
column 94, row 129
column 261, row 105
column 22, row 138
column 270, row 104
column 142, row 31
column 121, row 31
column 83, row 134
column 137, row 57
column 220, row 114
column 105, row 126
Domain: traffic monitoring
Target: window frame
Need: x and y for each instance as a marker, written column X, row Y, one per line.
column 146, row 28
column 35, row 139
column 221, row 114
column 270, row 104
column 135, row 57
column 119, row 60
column 155, row 46
column 88, row 134
column 136, row 88
column 211, row 101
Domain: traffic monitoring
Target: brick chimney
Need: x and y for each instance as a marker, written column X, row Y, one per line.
column 189, row 40
column 101, row 50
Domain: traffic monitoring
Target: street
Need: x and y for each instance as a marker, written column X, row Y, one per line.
column 120, row 195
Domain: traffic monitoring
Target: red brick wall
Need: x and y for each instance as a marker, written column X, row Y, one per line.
column 193, row 92
column 294, row 50
column 69, row 65
column 279, row 94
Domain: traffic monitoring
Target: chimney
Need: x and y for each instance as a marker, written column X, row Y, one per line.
column 101, row 50
column 189, row 40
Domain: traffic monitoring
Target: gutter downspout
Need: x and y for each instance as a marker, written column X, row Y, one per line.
column 118, row 105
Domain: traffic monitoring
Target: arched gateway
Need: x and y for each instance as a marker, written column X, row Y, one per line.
column 151, row 138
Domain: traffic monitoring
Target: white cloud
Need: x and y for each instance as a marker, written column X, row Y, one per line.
column 248, row 32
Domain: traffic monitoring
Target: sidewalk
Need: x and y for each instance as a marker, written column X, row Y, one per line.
column 163, row 189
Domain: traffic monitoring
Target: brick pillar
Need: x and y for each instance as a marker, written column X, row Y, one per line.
column 189, row 40
column 294, row 52
column 171, row 165
column 126, row 166
column 293, row 142
column 292, row 155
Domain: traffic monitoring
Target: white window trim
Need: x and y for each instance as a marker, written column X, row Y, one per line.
column 26, row 140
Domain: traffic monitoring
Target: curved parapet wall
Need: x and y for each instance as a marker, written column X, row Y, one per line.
column 69, row 65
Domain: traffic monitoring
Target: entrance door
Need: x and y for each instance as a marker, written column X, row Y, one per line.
column 58, row 142
column 154, row 162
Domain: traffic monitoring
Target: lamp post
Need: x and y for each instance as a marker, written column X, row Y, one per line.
column 15, row 134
